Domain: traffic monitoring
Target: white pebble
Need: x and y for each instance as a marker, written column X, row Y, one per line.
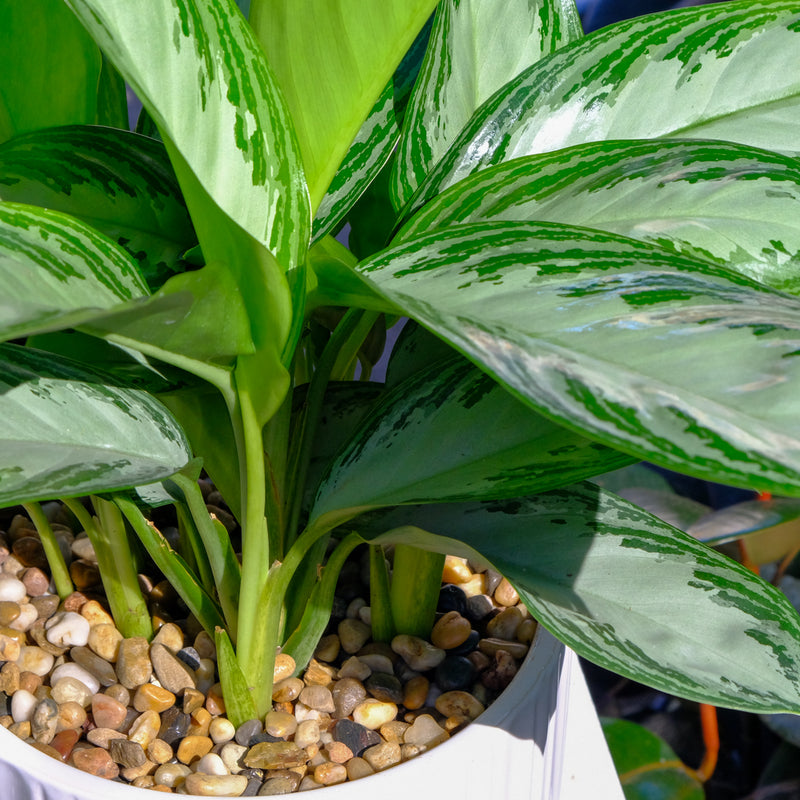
column 71, row 670
column 27, row 616
column 67, row 629
column 22, row 705
column 211, row 764
column 12, row 589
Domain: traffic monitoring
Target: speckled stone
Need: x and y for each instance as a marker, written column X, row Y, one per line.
column 425, row 732
column 275, row 755
column 9, row 648
column 417, row 653
column 133, row 665
column 95, row 761
column 127, row 753
column 319, row 698
column 215, row 785
column 105, row 640
column 382, row 756
column 94, row 665
column 172, row 673
column 107, row 712
column 457, row 703
column 44, row 721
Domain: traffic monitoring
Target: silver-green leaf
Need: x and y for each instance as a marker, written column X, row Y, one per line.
column 66, row 430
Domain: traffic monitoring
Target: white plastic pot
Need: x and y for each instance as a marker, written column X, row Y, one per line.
column 541, row 740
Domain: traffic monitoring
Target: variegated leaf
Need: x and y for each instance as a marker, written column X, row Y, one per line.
column 374, row 142
column 412, row 447
column 729, row 71
column 477, row 46
column 49, row 68
column 674, row 360
column 201, row 74
column 333, row 59
column 727, row 202
column 56, row 271
column 626, row 591
column 66, row 430
column 119, row 182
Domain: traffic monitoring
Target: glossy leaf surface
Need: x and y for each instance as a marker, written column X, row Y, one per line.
column 626, row 591
column 613, row 336
column 57, row 271
column 648, row 767
column 333, row 59
column 204, row 80
column 119, row 182
column 49, row 65
column 413, row 449
column 732, row 203
column 476, row 48
column 68, row 431
column 725, row 71
column 373, row 144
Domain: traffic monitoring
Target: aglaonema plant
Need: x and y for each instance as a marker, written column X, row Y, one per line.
column 596, row 239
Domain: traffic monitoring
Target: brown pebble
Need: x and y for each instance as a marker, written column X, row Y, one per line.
column 338, row 752
column 275, row 755
column 330, row 774
column 9, row 611
column 145, row 728
column 199, row 722
column 287, row 690
column 415, row 692
column 38, row 633
column 450, row 630
column 456, row 570
column 29, row 551
column 74, row 602
column 85, row 575
column 21, row 730
column 172, row 673
column 382, row 756
column 215, row 703
column 126, row 753
column 159, row 751
column 490, row 646
column 95, row 614
column 505, row 624
column 119, row 693
column 192, row 700
column 501, row 672
column 193, row 748
column 149, row 697
column 284, row 667
column 102, row 737
column 71, row 716
column 105, row 639
column 133, row 665
column 64, row 741
column 9, row 648
column 505, row 594
column 328, row 648
column 30, row 681
column 108, row 712
column 318, row 674
column 133, row 773
column 95, row 761
column 461, row 703
column 36, row 581
column 9, row 678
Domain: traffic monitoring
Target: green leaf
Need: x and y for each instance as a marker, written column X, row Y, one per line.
column 57, row 271
column 112, row 98
column 333, row 60
column 626, row 591
column 239, row 705
column 725, row 71
column 50, row 68
column 726, row 202
column 413, row 449
column 674, row 360
column 471, row 57
column 68, row 431
column 198, row 69
column 373, row 144
column 119, row 182
column 648, row 767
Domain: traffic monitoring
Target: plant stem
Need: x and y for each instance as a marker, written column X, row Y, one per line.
column 383, row 628
column 341, row 348
column 416, row 581
column 256, row 642
column 59, row 571
column 116, row 562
